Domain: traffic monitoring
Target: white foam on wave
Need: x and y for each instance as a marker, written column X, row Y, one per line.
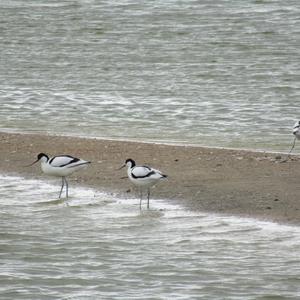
column 16, row 190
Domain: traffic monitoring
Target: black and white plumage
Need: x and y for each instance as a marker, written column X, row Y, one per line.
column 296, row 130
column 143, row 177
column 60, row 166
column 296, row 133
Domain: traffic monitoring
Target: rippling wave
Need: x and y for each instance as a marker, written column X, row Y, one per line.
column 97, row 246
column 221, row 73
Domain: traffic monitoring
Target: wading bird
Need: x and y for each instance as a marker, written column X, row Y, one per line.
column 60, row 166
column 296, row 133
column 143, row 177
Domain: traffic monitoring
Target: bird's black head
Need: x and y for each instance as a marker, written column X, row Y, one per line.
column 130, row 162
column 40, row 155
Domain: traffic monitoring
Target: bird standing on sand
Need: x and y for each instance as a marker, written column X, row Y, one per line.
column 296, row 133
column 143, row 177
column 60, row 166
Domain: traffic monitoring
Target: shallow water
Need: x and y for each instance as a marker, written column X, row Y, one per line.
column 96, row 246
column 214, row 73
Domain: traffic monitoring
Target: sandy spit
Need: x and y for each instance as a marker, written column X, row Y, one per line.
column 233, row 182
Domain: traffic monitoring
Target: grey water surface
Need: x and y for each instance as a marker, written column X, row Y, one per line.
column 215, row 73
column 97, row 246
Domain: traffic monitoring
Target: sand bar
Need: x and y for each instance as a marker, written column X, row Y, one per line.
column 233, row 182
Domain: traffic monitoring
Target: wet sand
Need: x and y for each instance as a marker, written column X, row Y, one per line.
column 233, row 182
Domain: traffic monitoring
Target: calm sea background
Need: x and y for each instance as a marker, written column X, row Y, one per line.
column 213, row 73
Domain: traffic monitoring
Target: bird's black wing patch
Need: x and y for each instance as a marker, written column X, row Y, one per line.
column 62, row 160
column 143, row 176
column 75, row 159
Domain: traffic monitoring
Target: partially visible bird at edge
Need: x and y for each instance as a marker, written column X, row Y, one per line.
column 296, row 133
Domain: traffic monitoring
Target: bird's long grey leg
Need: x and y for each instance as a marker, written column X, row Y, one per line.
column 62, row 186
column 141, row 197
column 148, row 198
column 293, row 146
column 67, row 187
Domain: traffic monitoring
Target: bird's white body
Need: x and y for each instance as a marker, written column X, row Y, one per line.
column 296, row 130
column 143, row 176
column 62, row 166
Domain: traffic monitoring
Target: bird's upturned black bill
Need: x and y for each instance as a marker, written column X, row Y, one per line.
column 32, row 163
